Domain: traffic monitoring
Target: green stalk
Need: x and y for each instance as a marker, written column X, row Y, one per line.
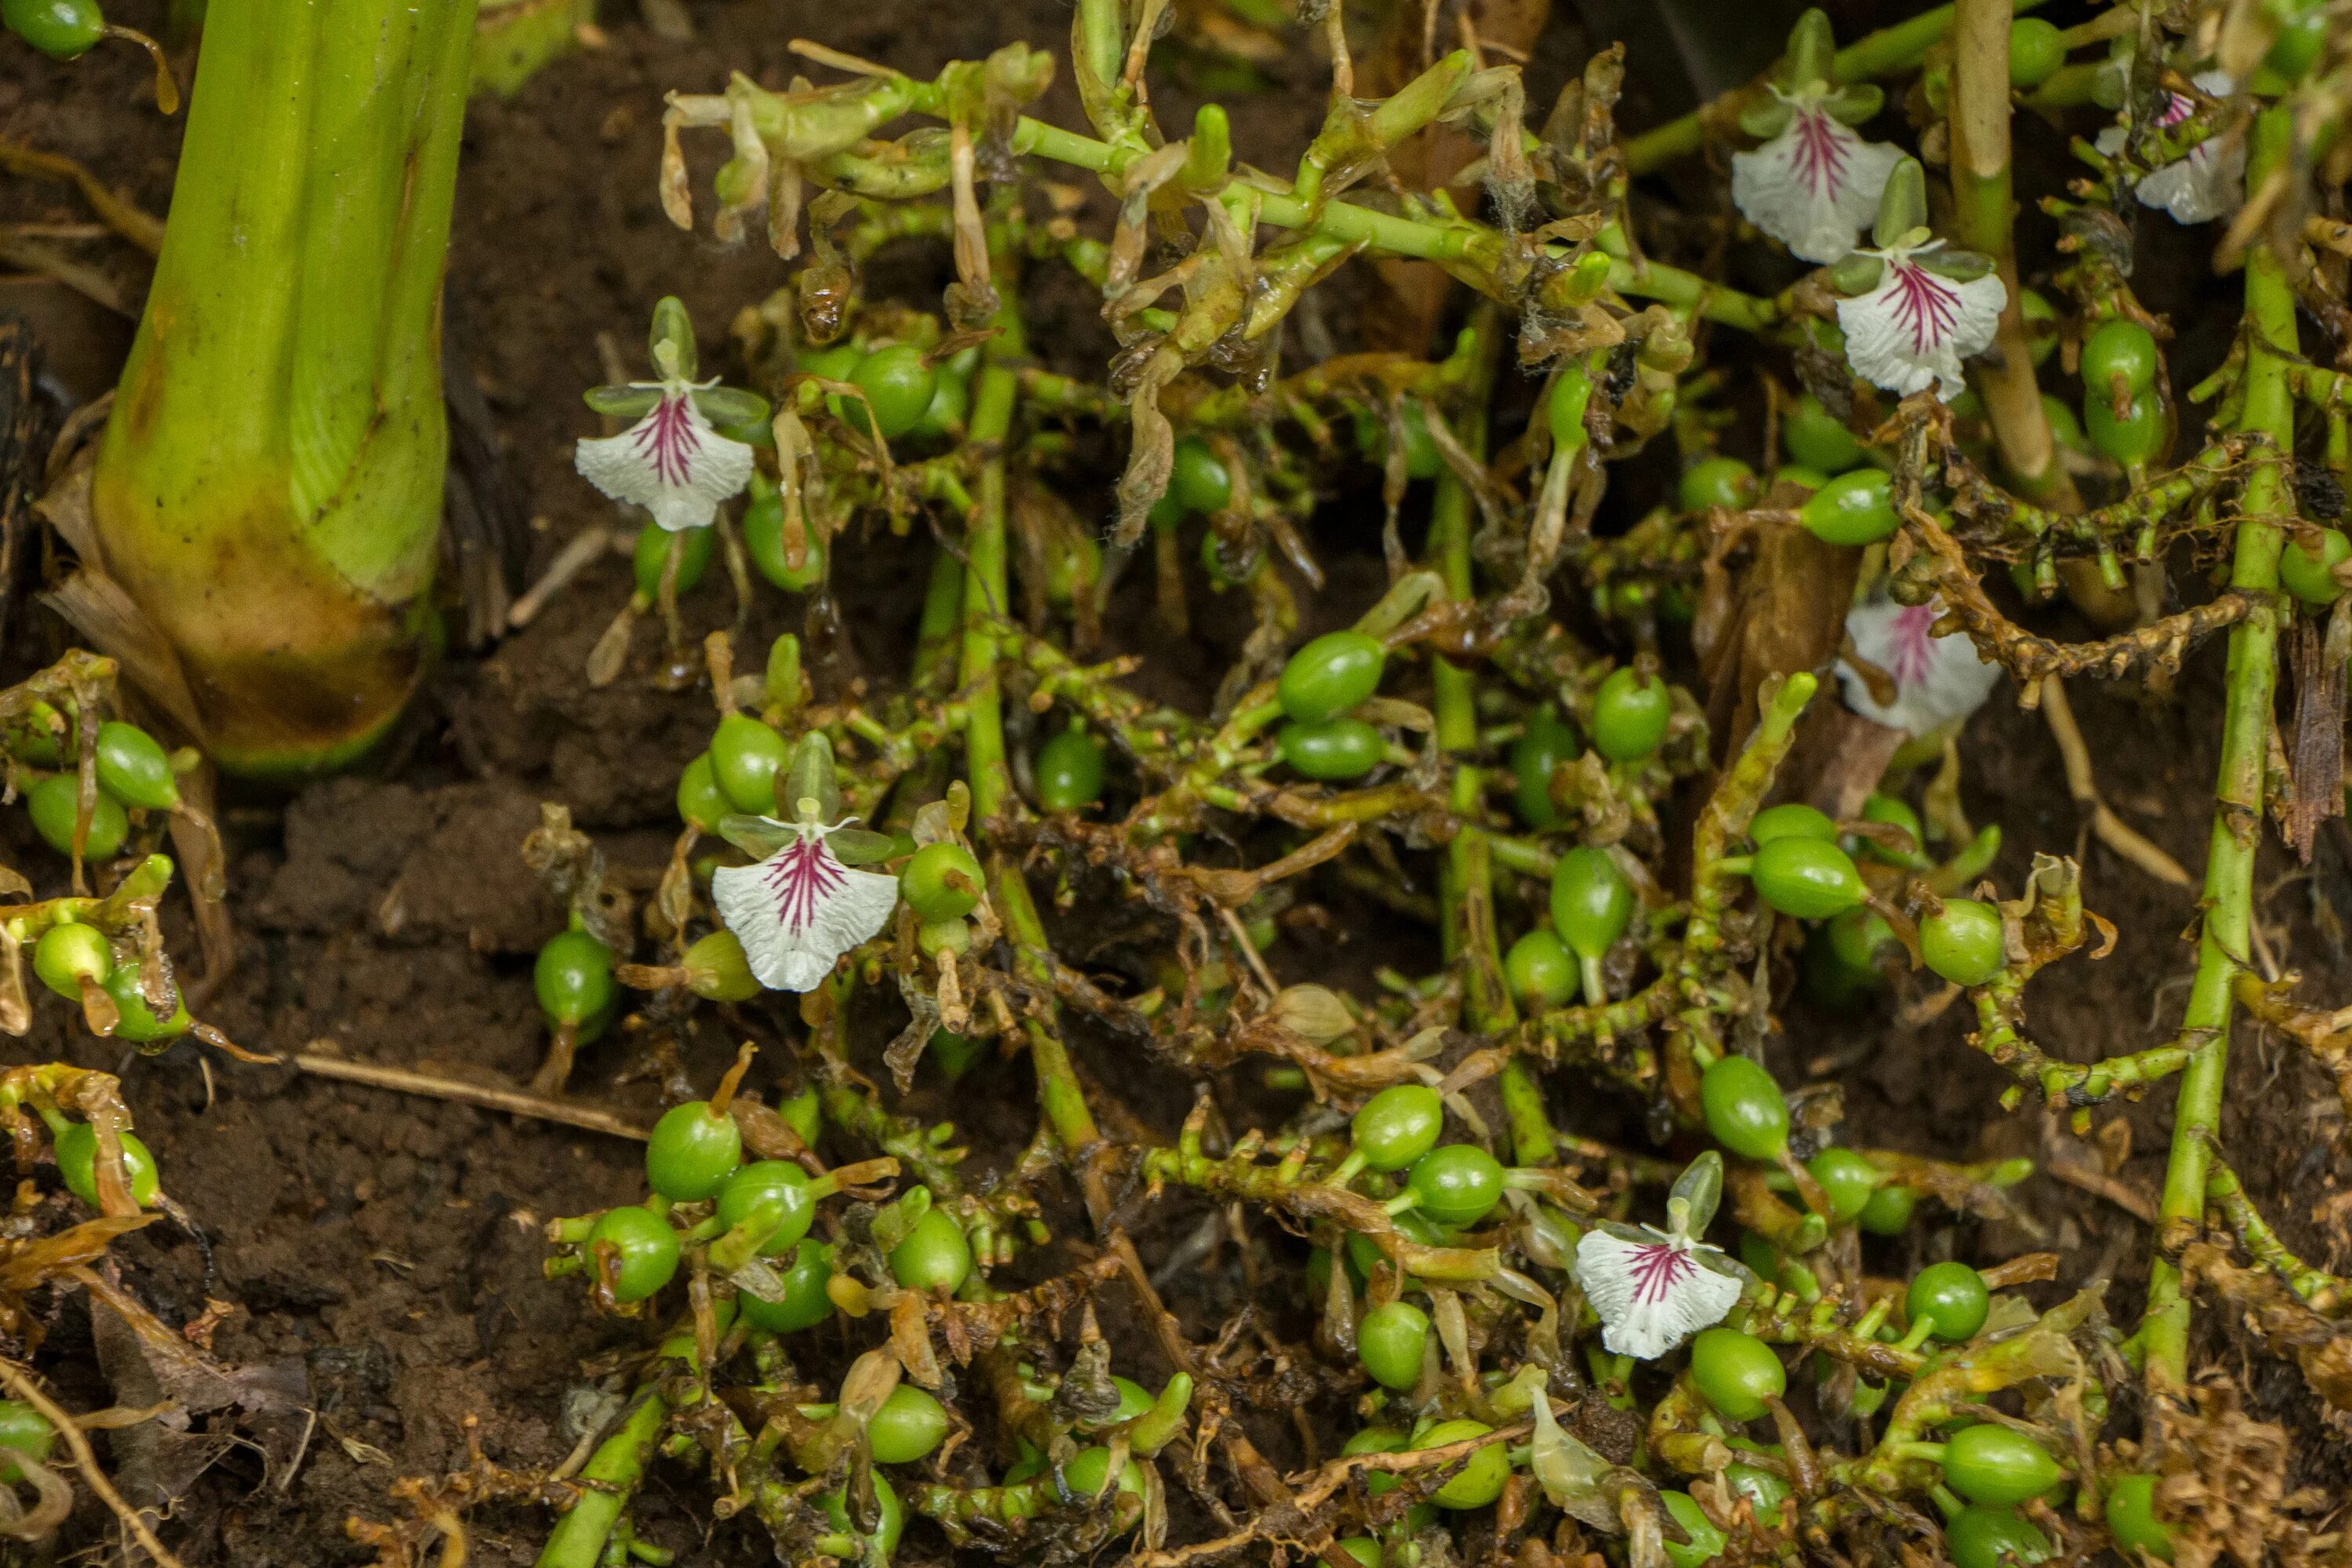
column 986, row 587
column 611, row 1474
column 268, row 489
column 1983, row 213
column 2222, row 946
column 1466, row 894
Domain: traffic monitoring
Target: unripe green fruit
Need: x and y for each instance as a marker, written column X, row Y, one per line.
column 890, row 1520
column 2131, row 439
column 76, row 1152
column 1888, row 1213
column 806, row 1304
column 2131, row 1518
column 1541, row 972
column 2314, row 582
column 646, row 1247
column 69, row 954
column 52, row 805
column 1846, row 1179
column 1716, row 481
column 24, row 1430
column 1706, row 1542
column 1990, row 1463
column 1478, row 1482
column 1817, row 438
column 1853, row 509
column 908, row 1425
column 1068, row 770
column 1984, row 1537
column 1744, row 1108
column 1333, row 750
column 1397, row 1126
column 700, row 803
column 2118, row 347
column 1951, row 1296
column 1630, row 711
column 1591, row 901
column 934, row 1255
column 136, row 1023
column 133, row 768
column 745, row 757
column 1963, row 943
column 573, row 977
column 1391, row 1341
column 1795, row 819
column 1457, row 1185
column 763, row 541
column 1737, row 1373
column 942, row 882
column 1806, row 878
column 2035, row 52
column 59, row 28
column 1198, row 481
column 1545, row 742
column 691, row 1151
column 777, row 1184
column 1330, row 675
column 652, row 556
column 898, row 386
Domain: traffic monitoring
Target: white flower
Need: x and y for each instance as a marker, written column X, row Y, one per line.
column 671, row 461
column 1913, row 330
column 1812, row 186
column 2210, row 182
column 1653, row 1290
column 801, row 908
column 1937, row 679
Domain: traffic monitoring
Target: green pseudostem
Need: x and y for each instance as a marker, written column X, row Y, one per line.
column 2223, row 946
column 269, row 489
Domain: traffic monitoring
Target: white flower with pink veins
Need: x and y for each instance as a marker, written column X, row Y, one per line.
column 1913, row 328
column 2209, row 180
column 1815, row 184
column 801, row 908
column 1653, row 1289
column 671, row 462
column 1938, row 679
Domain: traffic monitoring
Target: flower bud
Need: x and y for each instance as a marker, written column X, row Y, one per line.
column 1313, row 1014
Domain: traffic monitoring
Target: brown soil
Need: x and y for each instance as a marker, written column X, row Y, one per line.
column 388, row 1247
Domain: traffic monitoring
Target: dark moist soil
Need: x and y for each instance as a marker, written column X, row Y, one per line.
column 387, row 1248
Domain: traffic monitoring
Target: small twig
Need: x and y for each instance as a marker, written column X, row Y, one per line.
column 2113, row 831
column 513, row 1101
column 20, row 1383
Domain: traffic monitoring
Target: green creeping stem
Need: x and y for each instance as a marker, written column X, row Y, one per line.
column 1467, row 902
column 2222, row 946
column 611, row 1474
column 986, row 602
column 1883, row 53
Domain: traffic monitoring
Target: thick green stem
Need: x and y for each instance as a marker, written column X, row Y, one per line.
column 611, row 1474
column 986, row 586
column 1983, row 213
column 269, row 487
column 2222, row 947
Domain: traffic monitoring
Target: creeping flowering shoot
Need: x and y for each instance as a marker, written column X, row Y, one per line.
column 1655, row 1288
column 1816, row 184
column 2206, row 183
column 1917, row 681
column 673, row 461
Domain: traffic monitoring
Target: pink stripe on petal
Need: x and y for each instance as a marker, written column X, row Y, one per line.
column 1822, row 153
column 666, row 439
column 1926, row 307
column 1658, row 1269
column 802, row 877
column 1910, row 644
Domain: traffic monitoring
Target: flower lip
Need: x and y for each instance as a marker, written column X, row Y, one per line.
column 2207, row 181
column 1911, row 331
column 801, row 908
column 671, row 461
column 1815, row 184
column 1653, row 1289
column 1936, row 680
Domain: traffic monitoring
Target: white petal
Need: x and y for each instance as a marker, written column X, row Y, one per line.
column 2209, row 182
column 1913, row 330
column 799, row 909
column 671, row 462
column 1811, row 186
column 1651, row 1295
column 1937, row 679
